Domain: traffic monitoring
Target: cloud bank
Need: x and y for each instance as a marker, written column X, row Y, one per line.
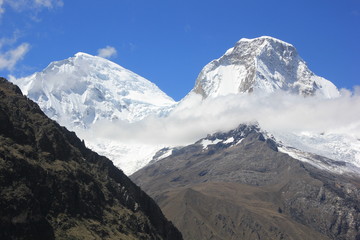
column 194, row 118
column 107, row 52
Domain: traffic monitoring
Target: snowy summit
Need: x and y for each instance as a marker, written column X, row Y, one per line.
column 263, row 64
column 83, row 89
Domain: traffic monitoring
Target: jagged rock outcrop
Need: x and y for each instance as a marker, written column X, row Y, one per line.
column 238, row 185
column 53, row 187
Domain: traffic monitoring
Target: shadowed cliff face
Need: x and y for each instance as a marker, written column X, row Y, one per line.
column 53, row 187
column 243, row 188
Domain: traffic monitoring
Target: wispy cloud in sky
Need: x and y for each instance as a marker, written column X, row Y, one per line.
column 24, row 5
column 187, row 28
column 8, row 41
column 107, row 52
column 8, row 59
column 2, row 10
column 49, row 3
column 355, row 13
column 11, row 52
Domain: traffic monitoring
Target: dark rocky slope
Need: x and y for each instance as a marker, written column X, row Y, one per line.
column 53, row 187
column 247, row 189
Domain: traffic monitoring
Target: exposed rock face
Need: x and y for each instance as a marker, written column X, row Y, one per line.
column 53, row 187
column 237, row 185
column 263, row 64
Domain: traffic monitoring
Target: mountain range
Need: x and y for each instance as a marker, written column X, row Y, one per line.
column 260, row 148
column 86, row 93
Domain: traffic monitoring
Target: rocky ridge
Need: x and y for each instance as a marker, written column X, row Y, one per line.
column 53, row 187
column 86, row 92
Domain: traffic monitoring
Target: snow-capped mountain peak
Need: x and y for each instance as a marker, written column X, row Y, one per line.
column 83, row 89
column 263, row 64
column 82, row 54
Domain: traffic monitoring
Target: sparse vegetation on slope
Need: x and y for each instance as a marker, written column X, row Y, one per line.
column 53, row 187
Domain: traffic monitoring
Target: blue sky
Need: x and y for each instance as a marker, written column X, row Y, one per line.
column 169, row 41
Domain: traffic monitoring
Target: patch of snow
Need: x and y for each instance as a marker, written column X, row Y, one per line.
column 269, row 38
column 238, row 142
column 206, row 142
column 331, row 166
column 129, row 157
column 165, row 154
column 338, row 147
column 229, row 140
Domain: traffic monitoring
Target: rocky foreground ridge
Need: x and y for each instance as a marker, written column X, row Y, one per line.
column 53, row 187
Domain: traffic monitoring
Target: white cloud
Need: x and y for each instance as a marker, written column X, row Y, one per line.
column 195, row 118
column 44, row 3
column 9, row 41
column 29, row 5
column 187, row 28
column 9, row 58
column 22, row 5
column 10, row 55
column 2, row 10
column 355, row 13
column 107, row 52
column 49, row 3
